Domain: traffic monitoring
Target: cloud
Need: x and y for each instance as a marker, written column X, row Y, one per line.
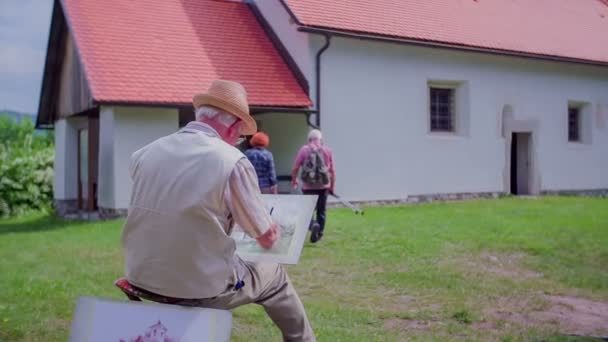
column 24, row 28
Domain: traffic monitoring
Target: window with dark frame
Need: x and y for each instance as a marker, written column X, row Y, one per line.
column 442, row 109
column 574, row 129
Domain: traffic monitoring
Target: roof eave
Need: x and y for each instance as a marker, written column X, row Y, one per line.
column 443, row 45
column 252, row 107
column 52, row 67
column 291, row 13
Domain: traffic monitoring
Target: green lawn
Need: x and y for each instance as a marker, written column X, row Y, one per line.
column 479, row 270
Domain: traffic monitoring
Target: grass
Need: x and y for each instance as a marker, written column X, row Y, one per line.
column 372, row 278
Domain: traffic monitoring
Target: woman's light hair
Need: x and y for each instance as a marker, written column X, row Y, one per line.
column 315, row 134
column 219, row 115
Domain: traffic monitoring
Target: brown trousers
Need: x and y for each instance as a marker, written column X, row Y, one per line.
column 266, row 284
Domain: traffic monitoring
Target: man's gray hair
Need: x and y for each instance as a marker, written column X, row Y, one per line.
column 221, row 116
column 315, row 134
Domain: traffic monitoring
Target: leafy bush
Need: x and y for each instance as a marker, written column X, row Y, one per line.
column 26, row 168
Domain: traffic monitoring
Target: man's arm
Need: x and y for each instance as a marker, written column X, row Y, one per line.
column 273, row 175
column 296, row 168
column 294, row 176
column 243, row 199
column 332, row 173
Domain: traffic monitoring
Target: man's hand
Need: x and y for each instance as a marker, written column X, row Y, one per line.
column 268, row 239
column 294, row 184
column 274, row 189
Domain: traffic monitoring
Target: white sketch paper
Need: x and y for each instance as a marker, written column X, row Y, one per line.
column 293, row 214
column 104, row 320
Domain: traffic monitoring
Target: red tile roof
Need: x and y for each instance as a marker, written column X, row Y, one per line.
column 165, row 51
column 573, row 29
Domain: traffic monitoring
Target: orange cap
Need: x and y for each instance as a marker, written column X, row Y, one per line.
column 260, row 139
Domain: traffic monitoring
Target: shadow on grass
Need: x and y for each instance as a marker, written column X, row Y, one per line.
column 35, row 224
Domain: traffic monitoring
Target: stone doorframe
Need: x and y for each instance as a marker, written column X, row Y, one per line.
column 509, row 126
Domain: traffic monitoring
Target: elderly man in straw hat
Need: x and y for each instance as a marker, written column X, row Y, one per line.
column 189, row 188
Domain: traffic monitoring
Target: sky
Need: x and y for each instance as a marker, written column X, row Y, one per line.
column 24, row 30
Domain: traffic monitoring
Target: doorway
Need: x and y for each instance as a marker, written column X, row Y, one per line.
column 88, row 159
column 521, row 159
column 83, row 168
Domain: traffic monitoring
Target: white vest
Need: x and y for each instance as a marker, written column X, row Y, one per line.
column 174, row 238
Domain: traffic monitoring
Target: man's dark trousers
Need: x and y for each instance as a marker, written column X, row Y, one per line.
column 321, row 205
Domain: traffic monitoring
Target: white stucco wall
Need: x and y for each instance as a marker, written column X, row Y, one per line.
column 297, row 43
column 65, row 185
column 375, row 117
column 287, row 134
column 123, row 130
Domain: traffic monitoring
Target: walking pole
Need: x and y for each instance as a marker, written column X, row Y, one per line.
column 349, row 205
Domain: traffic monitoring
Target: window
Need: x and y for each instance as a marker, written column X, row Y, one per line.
column 574, row 124
column 580, row 122
column 448, row 108
column 442, row 109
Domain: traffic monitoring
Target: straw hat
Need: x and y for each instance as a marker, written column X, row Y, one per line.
column 231, row 97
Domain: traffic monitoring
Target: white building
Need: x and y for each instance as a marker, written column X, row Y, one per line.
column 453, row 99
